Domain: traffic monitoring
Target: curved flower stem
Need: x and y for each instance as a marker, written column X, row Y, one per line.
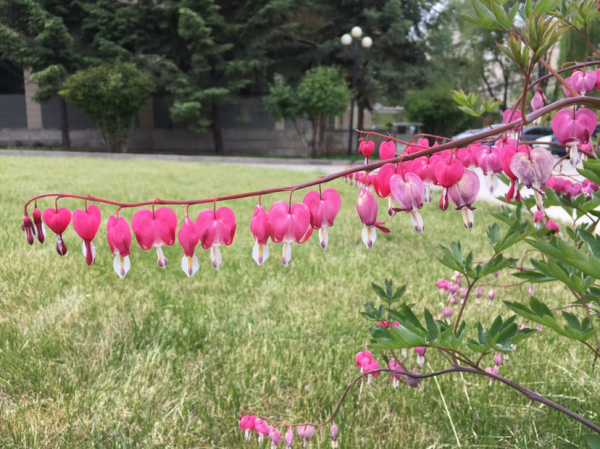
column 462, row 307
column 531, row 395
column 590, row 101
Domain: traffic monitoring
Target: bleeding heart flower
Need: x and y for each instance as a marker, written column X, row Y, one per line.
column 581, row 82
column 488, row 160
column 188, row 239
column 118, row 236
column 86, row 224
column 259, row 226
column 247, row 425
column 408, row 191
column 382, row 185
column 153, row 229
column 323, row 209
column 574, row 128
column 215, row 229
column 366, row 149
column 533, row 168
column 510, row 116
column 58, row 220
column 366, row 205
column 468, row 156
column 27, row 227
column 39, row 226
column 506, row 154
column 463, row 194
column 448, row 173
column 424, row 167
column 387, row 150
column 539, row 100
column 289, row 224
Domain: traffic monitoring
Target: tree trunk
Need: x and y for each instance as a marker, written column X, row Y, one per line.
column 313, row 147
column 322, row 126
column 215, row 125
column 361, row 116
column 64, row 124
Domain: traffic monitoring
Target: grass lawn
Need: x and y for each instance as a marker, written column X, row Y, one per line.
column 160, row 360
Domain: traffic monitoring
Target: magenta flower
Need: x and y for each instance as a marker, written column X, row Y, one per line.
column 553, row 226
column 153, row 229
column 289, row 438
column 411, row 381
column 491, row 296
column 420, row 351
column 408, row 191
column 498, row 359
column 492, row 371
column 216, row 228
column 574, row 128
column 259, row 226
column 274, row 436
column 366, row 149
column 538, row 216
column 362, row 355
column 510, row 116
column 58, row 220
column 424, row 167
column 533, row 168
column 447, row 312
column 86, row 223
column 478, row 294
column 38, row 225
column 261, row 429
column 387, row 150
column 247, row 425
column 27, row 227
column 323, row 208
column 289, row 224
column 506, row 154
column 118, row 236
column 488, row 160
column 463, row 194
column 305, row 432
column 382, row 185
column 448, row 173
column 366, row 206
column 334, row 435
column 188, row 239
column 370, row 367
column 396, row 378
column 581, row 82
column 539, row 100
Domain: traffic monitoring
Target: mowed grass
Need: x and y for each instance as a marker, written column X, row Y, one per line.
column 160, row 360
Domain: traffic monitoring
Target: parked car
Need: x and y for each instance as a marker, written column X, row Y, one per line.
column 470, row 132
column 532, row 133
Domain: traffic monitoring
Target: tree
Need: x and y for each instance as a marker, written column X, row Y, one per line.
column 322, row 92
column 111, row 95
column 34, row 35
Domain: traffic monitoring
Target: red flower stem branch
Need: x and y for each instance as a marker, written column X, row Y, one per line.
column 589, row 101
column 531, row 395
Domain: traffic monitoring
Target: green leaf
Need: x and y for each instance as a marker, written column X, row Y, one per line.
column 539, row 308
column 432, row 328
column 500, row 15
column 572, row 321
column 592, row 241
column 592, row 440
column 378, row 290
column 493, row 234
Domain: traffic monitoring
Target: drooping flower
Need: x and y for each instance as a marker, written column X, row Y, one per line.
column 408, row 191
column 261, row 429
column 581, row 82
column 533, row 168
column 539, row 100
column 488, row 160
column 153, row 229
column 323, row 208
column 420, row 351
column 448, row 173
column 247, row 425
column 362, row 355
column 216, row 228
column 510, row 116
column 382, row 185
column 289, row 224
column 58, row 220
column 366, row 148
column 491, row 296
column 395, row 376
column 492, row 371
column 387, row 150
column 463, row 194
column 274, row 436
column 574, row 128
column 447, row 312
column 530, row 290
column 370, row 367
column 86, row 224
column 305, row 432
column 118, row 236
column 289, row 438
column 478, row 294
column 259, row 226
column 553, row 226
column 334, row 435
column 506, row 154
column 27, row 227
column 497, row 359
column 412, row 381
column 38, row 225
column 468, row 156
column 366, row 205
column 424, row 167
column 188, row 239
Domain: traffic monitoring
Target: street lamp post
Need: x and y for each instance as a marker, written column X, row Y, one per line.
column 366, row 42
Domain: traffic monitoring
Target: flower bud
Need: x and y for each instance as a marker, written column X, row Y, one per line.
column 447, row 312
column 289, row 438
column 334, row 435
column 27, row 227
column 39, row 226
column 420, row 351
column 274, row 436
column 498, row 359
column 491, row 295
column 530, row 290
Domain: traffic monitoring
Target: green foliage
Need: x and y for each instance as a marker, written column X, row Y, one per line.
column 436, row 110
column 499, row 337
column 323, row 90
column 283, row 102
column 111, row 95
column 473, row 104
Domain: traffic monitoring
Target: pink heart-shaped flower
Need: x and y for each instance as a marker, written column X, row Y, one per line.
column 533, row 169
column 574, row 128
